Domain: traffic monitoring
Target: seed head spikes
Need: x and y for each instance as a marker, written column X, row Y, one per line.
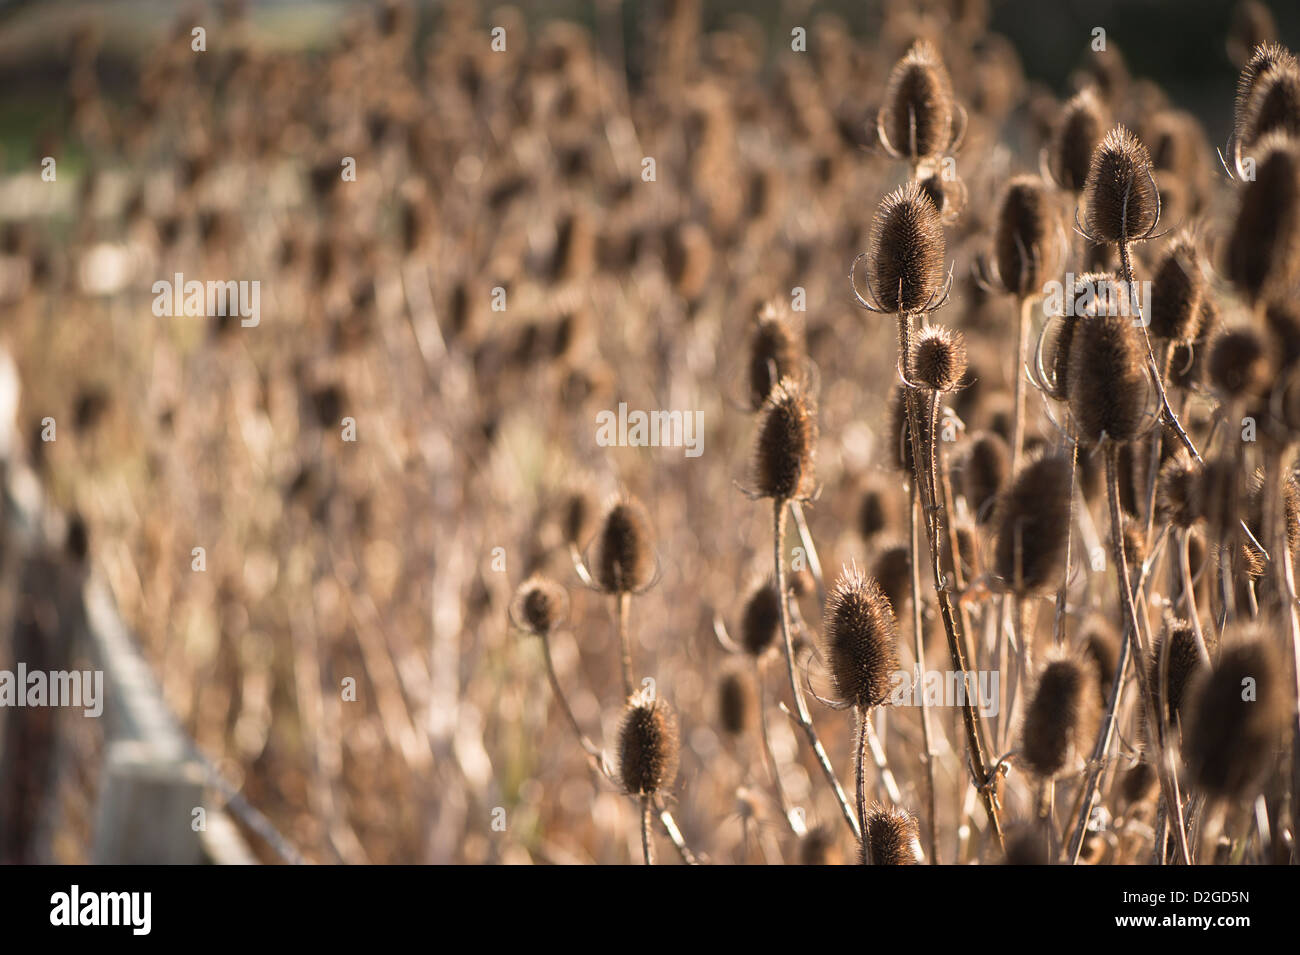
column 1024, row 227
column 539, row 606
column 625, row 560
column 775, row 352
column 1076, row 135
column 938, row 358
column 648, row 747
column 783, row 462
column 1061, row 719
column 893, row 835
column 861, row 640
column 904, row 256
column 1033, row 520
column 920, row 120
column 1123, row 204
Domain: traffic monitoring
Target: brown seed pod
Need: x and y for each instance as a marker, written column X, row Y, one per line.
column 1061, row 719
column 1139, row 782
column 1263, row 252
column 1080, row 128
column 648, row 747
column 775, row 352
column 735, row 703
column 917, row 120
column 892, row 570
column 893, row 835
column 1101, row 649
column 1178, row 490
column 947, row 192
column 983, row 473
column 1024, row 230
column 876, row 513
column 625, row 559
column 1184, row 664
column 820, row 847
column 1033, row 517
column 861, row 640
column 1026, row 844
column 761, row 620
column 784, row 455
column 1107, row 379
column 576, row 517
column 1273, row 105
column 1239, row 364
column 539, row 606
column 1263, row 58
column 1120, row 192
column 1188, row 361
column 906, row 252
column 1176, row 292
column 938, row 358
column 1235, row 718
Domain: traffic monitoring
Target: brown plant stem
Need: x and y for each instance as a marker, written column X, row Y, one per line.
column 647, row 842
column 918, row 647
column 621, row 603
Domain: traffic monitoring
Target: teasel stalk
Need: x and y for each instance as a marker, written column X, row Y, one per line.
column 648, row 755
column 625, row 565
column 918, row 650
column 783, row 470
column 1105, row 388
column 906, row 280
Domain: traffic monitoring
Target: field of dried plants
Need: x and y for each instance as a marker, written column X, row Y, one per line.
column 837, row 449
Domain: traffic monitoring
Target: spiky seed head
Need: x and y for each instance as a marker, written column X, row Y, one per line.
column 1240, row 366
column 735, row 703
column 893, row 835
column 1176, row 293
column 917, row 117
column 1219, row 498
column 1184, row 664
column 576, row 518
column 906, row 251
column 947, row 192
column 892, row 570
column 1026, row 844
column 1080, row 128
column 1120, row 193
column 1107, row 379
column 761, row 620
column 1033, row 518
column 820, row 847
column 1235, row 718
column 938, row 358
column 983, row 473
column 1139, row 782
column 1273, row 105
column 1263, row 59
column 861, row 640
column 1101, row 649
column 1061, row 719
column 783, row 463
column 774, row 344
column 1188, row 361
column 875, row 513
column 1024, row 230
column 625, row 560
column 1263, row 252
column 1178, row 489
column 648, row 747
column 1282, row 317
column 539, row 606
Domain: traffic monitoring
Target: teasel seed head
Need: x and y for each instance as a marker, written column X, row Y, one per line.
column 1176, row 293
column 1121, row 197
column 947, row 192
column 735, row 703
column 774, row 344
column 1178, row 490
column 576, row 518
column 876, row 513
column 625, row 559
column 1291, row 513
column 918, row 116
column 1061, row 719
column 1272, row 106
column 893, row 835
column 906, row 252
column 648, row 747
column 820, row 847
column 1101, row 649
column 1076, row 135
column 1263, row 252
column 784, row 455
column 1026, row 844
column 1264, row 58
column 1024, row 230
column 761, row 620
column 938, row 359
column 1107, row 379
column 539, row 606
column 861, row 640
column 1187, row 364
column 892, row 570
column 1239, row 364
column 1139, row 782
column 1033, row 519
column 1184, row 664
column 1235, row 717
column 983, row 473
